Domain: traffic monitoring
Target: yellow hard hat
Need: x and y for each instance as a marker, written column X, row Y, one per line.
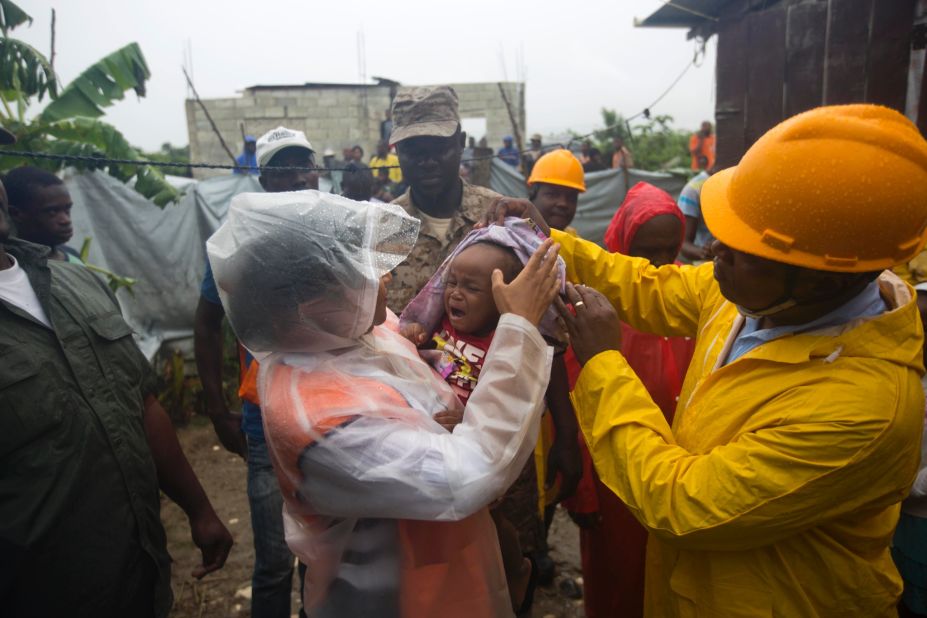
column 559, row 167
column 840, row 188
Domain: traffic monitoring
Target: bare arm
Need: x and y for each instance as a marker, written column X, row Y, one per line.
column 208, row 348
column 564, row 454
column 177, row 479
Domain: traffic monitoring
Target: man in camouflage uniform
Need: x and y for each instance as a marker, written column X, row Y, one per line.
column 429, row 142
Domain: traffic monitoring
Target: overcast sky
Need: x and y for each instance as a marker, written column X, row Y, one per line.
column 575, row 63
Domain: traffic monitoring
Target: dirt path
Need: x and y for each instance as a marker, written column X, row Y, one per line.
column 225, row 593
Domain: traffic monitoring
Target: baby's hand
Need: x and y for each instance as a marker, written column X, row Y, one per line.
column 449, row 419
column 414, row 332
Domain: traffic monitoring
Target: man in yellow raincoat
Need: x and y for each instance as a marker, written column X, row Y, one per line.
column 797, row 432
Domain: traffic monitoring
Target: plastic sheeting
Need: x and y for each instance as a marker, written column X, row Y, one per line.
column 605, row 191
column 164, row 249
column 300, row 271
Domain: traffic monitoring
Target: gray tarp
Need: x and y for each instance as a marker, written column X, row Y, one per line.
column 604, row 193
column 165, row 249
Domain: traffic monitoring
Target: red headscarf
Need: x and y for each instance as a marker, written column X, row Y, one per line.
column 642, row 203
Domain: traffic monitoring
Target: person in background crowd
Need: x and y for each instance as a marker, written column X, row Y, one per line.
column 696, row 248
column 429, row 142
column 621, row 156
column 347, row 154
column 470, row 151
column 702, row 148
column 357, row 154
column 386, row 127
column 328, row 158
column 86, row 447
column 385, row 158
column 612, row 542
column 272, row 578
column 383, row 189
column 247, row 161
column 778, row 489
column 508, row 153
column 358, row 184
column 330, row 164
column 596, row 164
column 909, row 545
column 554, row 187
column 40, row 206
column 584, row 149
column 534, row 153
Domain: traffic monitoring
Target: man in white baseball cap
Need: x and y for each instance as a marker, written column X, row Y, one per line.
column 243, row 434
column 286, row 148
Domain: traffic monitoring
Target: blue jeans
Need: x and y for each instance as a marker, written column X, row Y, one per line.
column 272, row 580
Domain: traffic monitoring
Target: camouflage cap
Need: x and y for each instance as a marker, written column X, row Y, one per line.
column 424, row 111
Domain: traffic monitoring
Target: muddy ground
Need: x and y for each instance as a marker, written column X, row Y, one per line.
column 226, row 592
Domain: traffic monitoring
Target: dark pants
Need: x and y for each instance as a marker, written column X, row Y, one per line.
column 272, row 580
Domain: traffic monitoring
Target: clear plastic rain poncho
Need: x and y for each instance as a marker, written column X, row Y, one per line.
column 385, row 507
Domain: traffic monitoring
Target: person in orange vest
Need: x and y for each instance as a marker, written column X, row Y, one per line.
column 384, row 505
column 243, row 434
column 702, row 148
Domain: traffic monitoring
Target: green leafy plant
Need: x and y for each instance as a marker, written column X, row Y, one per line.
column 70, row 124
column 655, row 144
column 115, row 281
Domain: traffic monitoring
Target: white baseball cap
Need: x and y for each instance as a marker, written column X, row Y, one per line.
column 276, row 140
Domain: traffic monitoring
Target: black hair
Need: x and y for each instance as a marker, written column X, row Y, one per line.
column 357, row 182
column 22, row 182
column 268, row 278
column 357, row 147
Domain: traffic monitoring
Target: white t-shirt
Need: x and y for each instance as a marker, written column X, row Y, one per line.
column 434, row 226
column 16, row 289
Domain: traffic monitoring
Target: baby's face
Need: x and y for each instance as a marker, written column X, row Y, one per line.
column 468, row 300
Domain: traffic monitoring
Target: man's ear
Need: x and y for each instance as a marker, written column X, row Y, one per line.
column 16, row 214
column 463, row 139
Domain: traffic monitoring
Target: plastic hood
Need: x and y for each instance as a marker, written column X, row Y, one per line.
column 300, row 271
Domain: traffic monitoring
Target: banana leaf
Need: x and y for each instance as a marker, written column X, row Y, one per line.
column 94, row 138
column 101, row 85
column 24, row 72
column 11, row 16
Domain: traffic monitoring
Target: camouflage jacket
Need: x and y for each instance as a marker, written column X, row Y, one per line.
column 412, row 275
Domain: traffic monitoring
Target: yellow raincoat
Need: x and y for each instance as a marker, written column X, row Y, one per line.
column 777, row 490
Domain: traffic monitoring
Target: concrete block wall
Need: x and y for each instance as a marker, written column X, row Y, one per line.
column 335, row 116
column 483, row 100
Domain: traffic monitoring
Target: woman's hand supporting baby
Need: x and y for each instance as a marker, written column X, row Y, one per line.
column 530, row 294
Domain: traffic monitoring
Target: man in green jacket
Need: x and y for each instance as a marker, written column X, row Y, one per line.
column 85, row 448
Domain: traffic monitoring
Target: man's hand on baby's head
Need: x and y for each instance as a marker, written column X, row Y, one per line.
column 414, row 332
column 535, row 287
column 503, row 207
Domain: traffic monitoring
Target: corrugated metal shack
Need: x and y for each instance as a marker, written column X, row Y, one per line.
column 780, row 57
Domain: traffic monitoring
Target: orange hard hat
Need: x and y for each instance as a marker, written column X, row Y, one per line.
column 559, row 167
column 840, row 188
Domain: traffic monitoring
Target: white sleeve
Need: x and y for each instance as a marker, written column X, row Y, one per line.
column 375, row 467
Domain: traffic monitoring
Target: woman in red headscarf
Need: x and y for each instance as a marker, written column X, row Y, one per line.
column 612, row 543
